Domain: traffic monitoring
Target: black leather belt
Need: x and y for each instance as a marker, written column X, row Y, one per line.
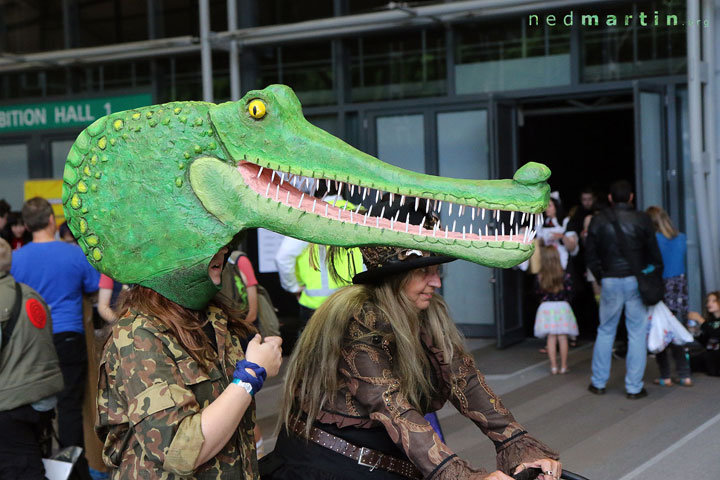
column 364, row 456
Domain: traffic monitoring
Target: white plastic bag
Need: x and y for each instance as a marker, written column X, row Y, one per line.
column 664, row 329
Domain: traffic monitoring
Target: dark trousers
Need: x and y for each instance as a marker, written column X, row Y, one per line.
column 21, row 433
column 72, row 353
column 681, row 361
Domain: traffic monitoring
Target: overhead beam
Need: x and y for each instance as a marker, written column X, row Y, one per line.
column 333, row 27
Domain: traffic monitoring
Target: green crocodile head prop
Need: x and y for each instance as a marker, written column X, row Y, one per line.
column 152, row 194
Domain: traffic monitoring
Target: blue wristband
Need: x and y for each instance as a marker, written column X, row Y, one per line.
column 255, row 381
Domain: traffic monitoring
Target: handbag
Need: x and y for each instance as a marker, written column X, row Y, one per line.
column 650, row 281
column 665, row 329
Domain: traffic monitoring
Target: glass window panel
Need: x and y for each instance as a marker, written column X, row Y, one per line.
column 651, row 105
column 33, row 26
column 59, row 150
column 463, row 152
column 510, row 55
column 187, row 79
column 306, row 68
column 614, row 52
column 407, row 65
column 108, row 21
column 328, row 123
column 14, row 168
column 174, row 18
column 401, row 141
column 272, row 12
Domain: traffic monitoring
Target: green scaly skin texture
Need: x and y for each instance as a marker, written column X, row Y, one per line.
column 153, row 193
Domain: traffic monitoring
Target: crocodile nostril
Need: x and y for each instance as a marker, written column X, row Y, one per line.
column 532, row 173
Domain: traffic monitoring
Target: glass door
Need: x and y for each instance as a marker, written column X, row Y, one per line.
column 463, row 152
column 451, row 143
column 650, row 152
column 509, row 285
column 400, row 140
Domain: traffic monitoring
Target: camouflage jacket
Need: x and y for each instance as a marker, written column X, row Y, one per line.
column 370, row 397
column 150, row 396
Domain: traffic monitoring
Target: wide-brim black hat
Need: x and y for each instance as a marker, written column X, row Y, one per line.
column 393, row 267
column 382, row 262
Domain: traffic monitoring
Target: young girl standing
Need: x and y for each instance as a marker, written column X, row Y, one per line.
column 554, row 318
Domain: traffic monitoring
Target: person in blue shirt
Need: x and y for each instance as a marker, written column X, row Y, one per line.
column 61, row 274
column 673, row 247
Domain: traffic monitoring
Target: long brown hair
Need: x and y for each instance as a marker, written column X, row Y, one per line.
column 552, row 276
column 715, row 294
column 185, row 324
column 311, row 381
column 662, row 222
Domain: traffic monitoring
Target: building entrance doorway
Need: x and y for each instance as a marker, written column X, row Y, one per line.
column 586, row 143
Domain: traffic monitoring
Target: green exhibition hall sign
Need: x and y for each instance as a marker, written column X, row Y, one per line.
column 65, row 114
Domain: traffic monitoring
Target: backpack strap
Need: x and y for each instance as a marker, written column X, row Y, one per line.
column 233, row 258
column 14, row 315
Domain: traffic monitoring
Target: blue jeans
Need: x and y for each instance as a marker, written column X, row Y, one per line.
column 616, row 294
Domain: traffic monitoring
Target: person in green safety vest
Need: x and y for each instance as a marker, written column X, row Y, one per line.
column 302, row 266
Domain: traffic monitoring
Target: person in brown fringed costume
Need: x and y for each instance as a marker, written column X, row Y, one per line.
column 376, row 357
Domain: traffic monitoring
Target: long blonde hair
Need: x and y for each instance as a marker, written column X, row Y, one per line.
column 662, row 222
column 552, row 276
column 311, row 381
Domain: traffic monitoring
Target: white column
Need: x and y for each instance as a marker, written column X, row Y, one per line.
column 206, row 51
column 700, row 154
column 234, row 60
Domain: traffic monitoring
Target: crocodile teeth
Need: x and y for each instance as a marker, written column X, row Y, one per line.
column 495, row 227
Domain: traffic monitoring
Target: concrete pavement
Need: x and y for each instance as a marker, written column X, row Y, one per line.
column 674, row 433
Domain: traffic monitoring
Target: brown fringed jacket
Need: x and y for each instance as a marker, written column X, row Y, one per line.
column 370, row 396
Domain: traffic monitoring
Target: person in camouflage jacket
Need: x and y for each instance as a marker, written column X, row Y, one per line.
column 167, row 412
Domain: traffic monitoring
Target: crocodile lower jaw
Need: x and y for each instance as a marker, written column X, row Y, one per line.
column 508, row 227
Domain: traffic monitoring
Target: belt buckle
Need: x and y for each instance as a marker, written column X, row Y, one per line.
column 370, row 465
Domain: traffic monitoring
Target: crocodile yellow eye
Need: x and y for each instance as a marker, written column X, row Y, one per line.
column 256, row 108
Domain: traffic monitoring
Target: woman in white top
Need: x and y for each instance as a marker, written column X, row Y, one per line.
column 553, row 232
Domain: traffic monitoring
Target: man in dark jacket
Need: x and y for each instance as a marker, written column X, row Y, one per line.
column 609, row 265
column 30, row 375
